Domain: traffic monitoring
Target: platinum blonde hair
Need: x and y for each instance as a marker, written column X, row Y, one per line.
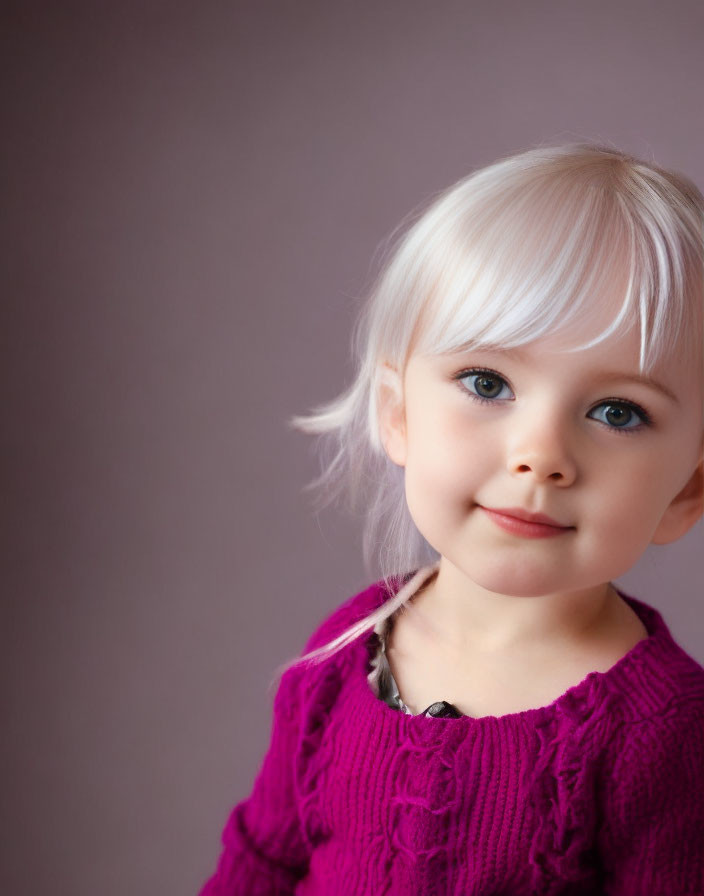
column 515, row 251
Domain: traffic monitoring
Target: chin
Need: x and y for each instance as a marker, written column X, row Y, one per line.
column 521, row 583
column 519, row 589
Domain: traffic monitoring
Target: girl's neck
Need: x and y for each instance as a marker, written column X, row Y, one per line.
column 459, row 615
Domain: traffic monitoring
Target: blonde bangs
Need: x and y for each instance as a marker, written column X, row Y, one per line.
column 540, row 255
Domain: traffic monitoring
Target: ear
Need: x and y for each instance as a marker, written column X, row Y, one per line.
column 685, row 509
column 392, row 419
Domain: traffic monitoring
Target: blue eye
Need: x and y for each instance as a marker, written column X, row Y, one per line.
column 489, row 387
column 485, row 385
column 621, row 415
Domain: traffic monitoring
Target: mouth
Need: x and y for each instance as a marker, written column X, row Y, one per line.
column 518, row 513
column 522, row 522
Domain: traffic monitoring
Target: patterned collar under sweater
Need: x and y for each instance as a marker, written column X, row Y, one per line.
column 601, row 793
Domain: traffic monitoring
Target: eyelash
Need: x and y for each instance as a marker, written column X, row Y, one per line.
column 620, row 402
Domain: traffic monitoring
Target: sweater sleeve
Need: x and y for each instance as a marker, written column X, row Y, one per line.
column 653, row 837
column 264, row 851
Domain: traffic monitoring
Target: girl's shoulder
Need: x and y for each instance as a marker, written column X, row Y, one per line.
column 313, row 688
column 351, row 610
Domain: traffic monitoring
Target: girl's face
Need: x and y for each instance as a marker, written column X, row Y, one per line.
column 580, row 437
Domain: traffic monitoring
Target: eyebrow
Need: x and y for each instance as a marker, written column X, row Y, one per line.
column 637, row 379
column 640, row 381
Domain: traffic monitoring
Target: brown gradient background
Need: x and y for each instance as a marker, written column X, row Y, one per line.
column 193, row 196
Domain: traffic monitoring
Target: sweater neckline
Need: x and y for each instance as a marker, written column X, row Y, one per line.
column 613, row 677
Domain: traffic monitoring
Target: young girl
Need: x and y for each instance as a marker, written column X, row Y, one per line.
column 493, row 716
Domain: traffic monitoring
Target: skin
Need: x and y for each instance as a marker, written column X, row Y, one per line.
column 544, row 444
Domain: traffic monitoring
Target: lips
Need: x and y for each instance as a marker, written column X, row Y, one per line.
column 518, row 513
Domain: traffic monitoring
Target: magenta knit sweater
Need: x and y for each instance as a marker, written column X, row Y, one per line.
column 601, row 792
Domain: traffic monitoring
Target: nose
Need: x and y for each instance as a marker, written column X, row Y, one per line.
column 542, row 454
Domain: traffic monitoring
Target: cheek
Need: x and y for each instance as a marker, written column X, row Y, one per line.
column 644, row 487
column 444, row 438
column 630, row 506
column 441, row 484
column 434, row 506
